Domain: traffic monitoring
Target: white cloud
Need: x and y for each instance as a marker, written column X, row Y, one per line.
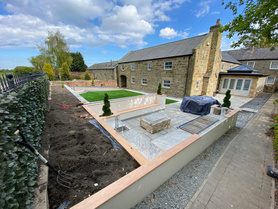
column 90, row 22
column 170, row 33
column 204, row 8
column 215, row 13
column 104, row 52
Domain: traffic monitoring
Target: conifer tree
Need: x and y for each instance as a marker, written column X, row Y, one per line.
column 49, row 71
column 65, row 72
column 226, row 100
column 106, row 106
column 159, row 89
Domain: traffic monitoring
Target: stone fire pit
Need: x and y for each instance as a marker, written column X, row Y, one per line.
column 155, row 123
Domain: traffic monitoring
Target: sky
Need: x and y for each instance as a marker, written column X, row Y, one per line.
column 102, row 30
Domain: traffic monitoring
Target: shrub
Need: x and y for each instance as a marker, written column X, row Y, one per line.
column 49, row 71
column 23, row 109
column 87, row 76
column 21, row 70
column 63, row 86
column 106, row 106
column 56, row 74
column 226, row 100
column 65, row 72
column 275, row 141
column 159, row 89
column 93, row 82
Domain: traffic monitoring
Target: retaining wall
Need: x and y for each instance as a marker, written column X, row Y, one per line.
column 135, row 186
column 85, row 83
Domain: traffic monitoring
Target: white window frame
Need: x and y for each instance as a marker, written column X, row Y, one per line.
column 250, row 63
column 167, row 66
column 144, row 81
column 133, row 80
column 198, row 85
column 272, row 68
column 133, row 67
column 223, row 67
column 149, row 66
column 163, row 83
column 270, row 83
column 231, row 66
column 123, row 68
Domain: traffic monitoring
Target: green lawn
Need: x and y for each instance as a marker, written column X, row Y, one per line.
column 99, row 95
column 169, row 101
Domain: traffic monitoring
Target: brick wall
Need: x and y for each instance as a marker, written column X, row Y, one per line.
column 85, row 83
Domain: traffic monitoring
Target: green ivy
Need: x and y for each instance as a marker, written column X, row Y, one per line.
column 23, row 109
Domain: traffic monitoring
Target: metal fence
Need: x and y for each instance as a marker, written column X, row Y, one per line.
column 8, row 82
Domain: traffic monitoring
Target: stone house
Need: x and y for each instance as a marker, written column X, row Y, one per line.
column 186, row 67
column 228, row 62
column 242, row 81
column 262, row 59
column 104, row 71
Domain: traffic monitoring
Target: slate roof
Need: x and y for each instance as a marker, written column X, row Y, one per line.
column 243, row 68
column 172, row 49
column 103, row 65
column 254, row 54
column 228, row 58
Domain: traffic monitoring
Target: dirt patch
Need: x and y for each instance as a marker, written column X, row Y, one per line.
column 78, row 148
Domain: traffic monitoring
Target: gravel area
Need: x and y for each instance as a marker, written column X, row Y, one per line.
column 179, row 189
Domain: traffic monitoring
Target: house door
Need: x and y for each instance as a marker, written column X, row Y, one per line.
column 123, row 81
column 237, row 86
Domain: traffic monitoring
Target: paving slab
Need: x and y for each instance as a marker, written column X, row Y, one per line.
column 239, row 180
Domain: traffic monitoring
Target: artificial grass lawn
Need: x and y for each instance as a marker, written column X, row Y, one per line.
column 99, row 95
column 169, row 101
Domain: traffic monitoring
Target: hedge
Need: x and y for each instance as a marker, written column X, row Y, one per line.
column 23, row 109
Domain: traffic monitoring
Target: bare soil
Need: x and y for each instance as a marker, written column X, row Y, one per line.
column 79, row 149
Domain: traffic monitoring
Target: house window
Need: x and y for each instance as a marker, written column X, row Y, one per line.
column 232, row 83
column 239, row 84
column 231, row 66
column 270, row 80
column 251, row 64
column 274, row 65
column 198, row 85
column 123, row 67
column 149, row 66
column 225, row 83
column 133, row 80
column 246, row 85
column 166, row 84
column 132, row 67
column 168, row 65
column 223, row 66
column 144, row 81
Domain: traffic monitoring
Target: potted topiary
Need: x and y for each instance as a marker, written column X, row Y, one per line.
column 93, row 82
column 159, row 89
column 226, row 103
column 106, row 106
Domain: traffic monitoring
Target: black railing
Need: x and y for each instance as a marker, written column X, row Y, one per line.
column 8, row 82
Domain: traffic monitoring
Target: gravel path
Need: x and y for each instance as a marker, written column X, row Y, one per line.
column 179, row 189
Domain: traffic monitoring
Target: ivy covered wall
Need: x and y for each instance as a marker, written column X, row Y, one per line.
column 23, row 109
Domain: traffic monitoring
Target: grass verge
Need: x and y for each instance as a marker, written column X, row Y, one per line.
column 169, row 101
column 99, row 95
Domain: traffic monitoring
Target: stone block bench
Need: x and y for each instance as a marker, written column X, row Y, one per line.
column 155, row 123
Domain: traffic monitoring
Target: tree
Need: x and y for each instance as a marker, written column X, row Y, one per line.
column 49, row 71
column 65, row 72
column 21, row 70
column 256, row 26
column 159, row 89
column 226, row 100
column 56, row 50
column 37, row 62
column 87, row 76
column 106, row 106
column 78, row 64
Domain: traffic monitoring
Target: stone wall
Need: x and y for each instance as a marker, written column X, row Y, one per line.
column 156, row 75
column 80, row 75
column 263, row 66
column 104, row 74
column 227, row 66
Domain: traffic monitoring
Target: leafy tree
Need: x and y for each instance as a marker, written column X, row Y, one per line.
column 65, row 72
column 78, row 64
column 159, row 89
column 49, row 71
column 37, row 62
column 226, row 100
column 256, row 26
column 87, row 76
column 20, row 70
column 106, row 106
column 56, row 74
column 56, row 50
